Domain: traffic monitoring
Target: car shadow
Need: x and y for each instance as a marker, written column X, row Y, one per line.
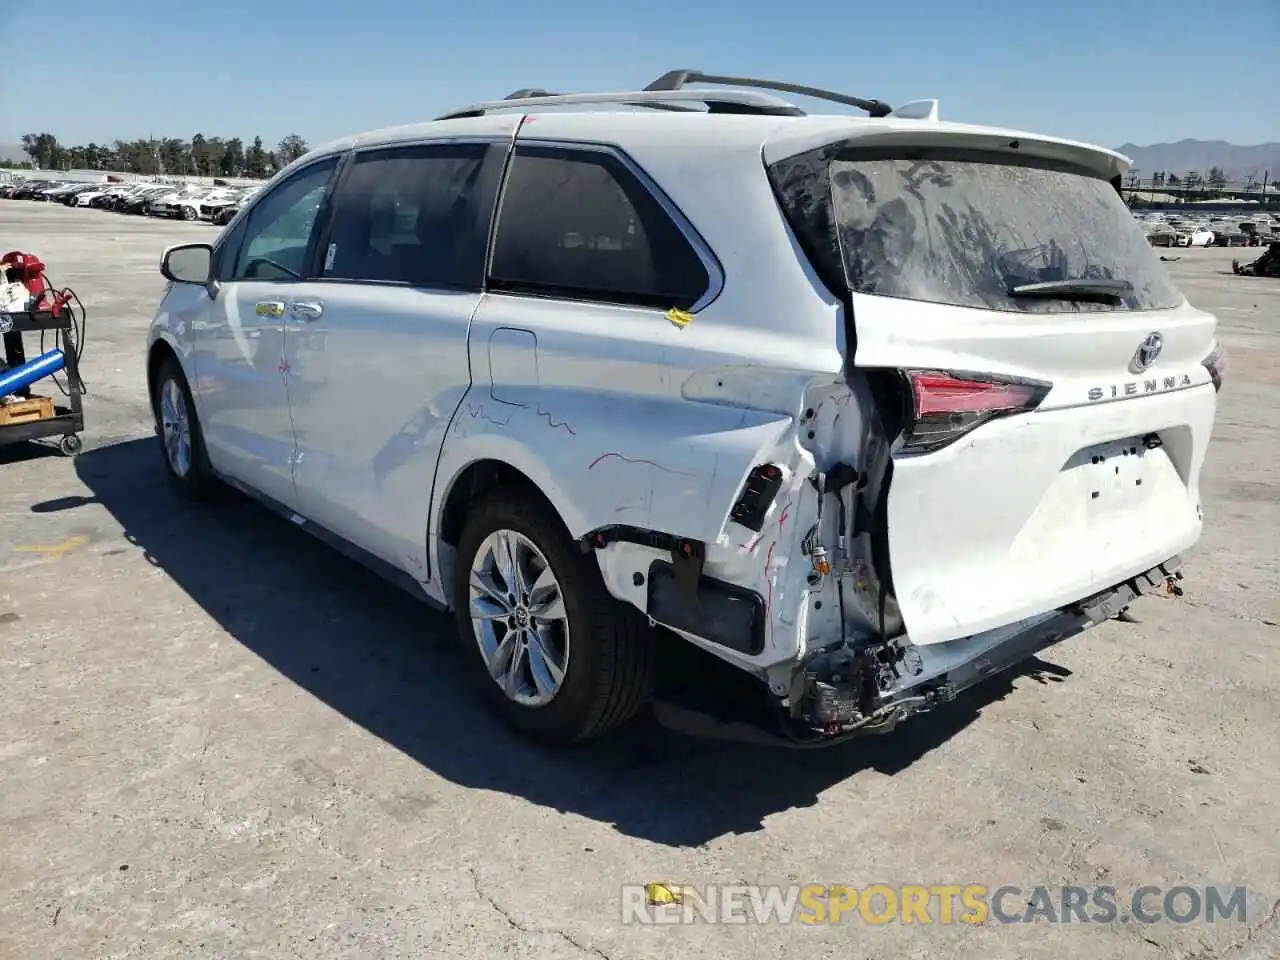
column 387, row 662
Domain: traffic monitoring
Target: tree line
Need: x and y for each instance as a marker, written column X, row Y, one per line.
column 1215, row 179
column 201, row 155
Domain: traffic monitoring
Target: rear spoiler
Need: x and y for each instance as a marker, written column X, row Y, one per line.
column 841, row 133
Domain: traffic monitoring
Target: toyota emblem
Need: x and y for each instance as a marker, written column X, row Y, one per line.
column 1148, row 353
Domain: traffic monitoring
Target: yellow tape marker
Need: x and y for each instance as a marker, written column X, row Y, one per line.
column 660, row 893
column 681, row 318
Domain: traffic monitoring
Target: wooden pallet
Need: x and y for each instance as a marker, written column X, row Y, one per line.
column 25, row 411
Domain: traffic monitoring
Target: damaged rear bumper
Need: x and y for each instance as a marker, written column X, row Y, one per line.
column 836, row 696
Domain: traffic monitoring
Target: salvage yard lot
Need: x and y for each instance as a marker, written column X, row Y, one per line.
column 220, row 739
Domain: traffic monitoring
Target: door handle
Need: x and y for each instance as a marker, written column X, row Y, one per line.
column 269, row 308
column 306, row 310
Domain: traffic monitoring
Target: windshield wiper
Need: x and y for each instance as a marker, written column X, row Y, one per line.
column 1103, row 291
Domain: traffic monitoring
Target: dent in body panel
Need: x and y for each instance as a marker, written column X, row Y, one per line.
column 803, row 608
column 643, row 432
column 666, row 465
column 800, row 613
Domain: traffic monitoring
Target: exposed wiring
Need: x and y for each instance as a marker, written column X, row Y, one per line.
column 73, row 338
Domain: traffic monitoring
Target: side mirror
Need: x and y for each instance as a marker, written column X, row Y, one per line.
column 188, row 263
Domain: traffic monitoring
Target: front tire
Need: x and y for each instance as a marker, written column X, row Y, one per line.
column 555, row 656
column 181, row 440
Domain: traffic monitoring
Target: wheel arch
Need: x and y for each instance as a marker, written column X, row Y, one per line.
column 161, row 350
column 477, row 479
column 164, row 346
column 492, row 462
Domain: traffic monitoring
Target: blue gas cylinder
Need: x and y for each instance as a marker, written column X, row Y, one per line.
column 15, row 378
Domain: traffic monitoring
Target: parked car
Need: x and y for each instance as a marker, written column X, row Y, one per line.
column 113, row 194
column 118, row 199
column 140, row 203
column 181, row 203
column 33, row 189
column 50, row 190
column 776, row 384
column 36, row 188
column 219, row 201
column 71, row 197
column 226, row 213
column 86, row 197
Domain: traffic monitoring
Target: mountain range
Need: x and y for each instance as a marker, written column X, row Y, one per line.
column 1236, row 161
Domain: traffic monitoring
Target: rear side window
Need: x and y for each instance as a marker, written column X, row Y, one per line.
column 415, row 215
column 966, row 231
column 577, row 224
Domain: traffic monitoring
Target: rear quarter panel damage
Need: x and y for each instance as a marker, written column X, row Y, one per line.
column 653, row 427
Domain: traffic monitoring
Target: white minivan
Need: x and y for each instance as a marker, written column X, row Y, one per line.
column 869, row 407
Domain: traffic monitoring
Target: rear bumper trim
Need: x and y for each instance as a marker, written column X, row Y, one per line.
column 987, row 660
column 1062, row 625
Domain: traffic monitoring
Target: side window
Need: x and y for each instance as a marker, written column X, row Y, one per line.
column 416, row 215
column 579, row 225
column 279, row 226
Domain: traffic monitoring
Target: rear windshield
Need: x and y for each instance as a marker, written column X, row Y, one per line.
column 964, row 232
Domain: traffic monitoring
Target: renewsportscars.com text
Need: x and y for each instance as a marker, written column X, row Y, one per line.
column 943, row 904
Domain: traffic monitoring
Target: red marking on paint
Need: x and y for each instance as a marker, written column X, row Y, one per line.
column 782, row 517
column 552, row 423
column 284, row 367
column 768, row 601
column 842, row 401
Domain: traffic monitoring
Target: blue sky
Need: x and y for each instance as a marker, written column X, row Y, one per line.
column 1106, row 71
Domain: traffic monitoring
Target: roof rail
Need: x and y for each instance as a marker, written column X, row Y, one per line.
column 717, row 101
column 677, row 79
column 530, row 93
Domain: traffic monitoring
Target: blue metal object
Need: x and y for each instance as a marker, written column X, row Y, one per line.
column 13, row 380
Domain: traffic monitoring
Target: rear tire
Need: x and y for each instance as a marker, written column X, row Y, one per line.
column 600, row 647
column 181, row 441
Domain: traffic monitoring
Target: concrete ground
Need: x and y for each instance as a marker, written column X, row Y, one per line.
column 219, row 739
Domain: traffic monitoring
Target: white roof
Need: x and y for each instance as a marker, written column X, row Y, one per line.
column 776, row 136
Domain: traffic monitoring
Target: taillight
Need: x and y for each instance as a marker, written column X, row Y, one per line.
column 946, row 406
column 1216, row 364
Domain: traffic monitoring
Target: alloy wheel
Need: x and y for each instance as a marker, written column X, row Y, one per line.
column 175, row 423
column 518, row 617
